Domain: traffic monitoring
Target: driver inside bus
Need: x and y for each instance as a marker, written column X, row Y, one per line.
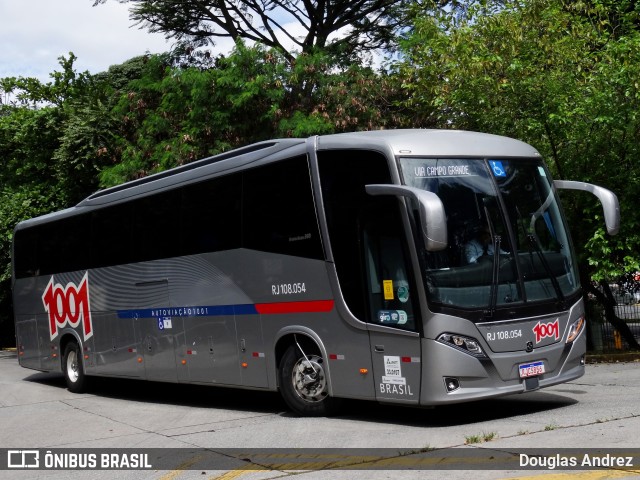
column 480, row 246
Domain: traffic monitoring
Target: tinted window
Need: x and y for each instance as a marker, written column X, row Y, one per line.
column 211, row 215
column 60, row 247
column 279, row 211
column 72, row 243
column 269, row 208
column 111, row 236
column 156, row 228
column 24, row 253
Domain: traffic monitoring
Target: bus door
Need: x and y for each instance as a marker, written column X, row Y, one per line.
column 393, row 320
column 157, row 330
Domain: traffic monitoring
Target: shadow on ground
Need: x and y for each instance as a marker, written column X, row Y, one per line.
column 202, row 396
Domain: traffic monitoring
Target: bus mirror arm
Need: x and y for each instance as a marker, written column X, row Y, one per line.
column 607, row 198
column 432, row 217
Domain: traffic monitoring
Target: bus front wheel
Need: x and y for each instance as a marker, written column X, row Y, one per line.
column 304, row 384
column 73, row 369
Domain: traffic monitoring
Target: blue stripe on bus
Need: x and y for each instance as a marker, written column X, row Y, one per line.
column 205, row 311
column 308, row 306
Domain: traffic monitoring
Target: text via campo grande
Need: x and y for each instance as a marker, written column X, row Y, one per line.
column 559, row 461
column 441, row 170
column 94, row 460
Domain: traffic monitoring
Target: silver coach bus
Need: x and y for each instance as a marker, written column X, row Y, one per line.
column 414, row 267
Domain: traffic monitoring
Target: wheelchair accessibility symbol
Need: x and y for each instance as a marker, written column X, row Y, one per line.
column 497, row 168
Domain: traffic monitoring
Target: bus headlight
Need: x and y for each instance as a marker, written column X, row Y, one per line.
column 575, row 329
column 465, row 344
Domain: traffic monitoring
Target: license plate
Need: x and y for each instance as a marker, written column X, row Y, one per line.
column 531, row 369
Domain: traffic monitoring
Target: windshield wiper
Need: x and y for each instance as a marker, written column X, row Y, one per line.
column 495, row 267
column 495, row 275
column 533, row 242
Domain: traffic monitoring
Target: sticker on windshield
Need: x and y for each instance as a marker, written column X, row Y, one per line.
column 497, row 168
column 403, row 294
column 387, row 286
column 393, row 317
column 454, row 170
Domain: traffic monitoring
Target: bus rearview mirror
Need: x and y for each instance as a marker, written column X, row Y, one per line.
column 433, row 220
column 607, row 198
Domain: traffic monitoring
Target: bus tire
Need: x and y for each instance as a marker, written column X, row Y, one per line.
column 304, row 385
column 73, row 368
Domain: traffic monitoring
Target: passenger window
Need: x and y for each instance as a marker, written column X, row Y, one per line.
column 111, row 236
column 211, row 215
column 279, row 213
column 152, row 239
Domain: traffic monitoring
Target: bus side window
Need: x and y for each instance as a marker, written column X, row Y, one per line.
column 111, row 236
column 279, row 213
column 151, row 238
column 211, row 215
column 390, row 295
column 366, row 248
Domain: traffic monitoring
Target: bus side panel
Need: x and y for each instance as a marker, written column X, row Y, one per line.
column 346, row 373
column 252, row 353
column 36, row 349
column 210, row 350
column 218, row 311
column 28, row 342
column 115, row 349
column 293, row 294
column 396, row 366
column 158, row 346
column 152, row 283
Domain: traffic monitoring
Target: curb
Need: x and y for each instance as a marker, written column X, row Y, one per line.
column 613, row 357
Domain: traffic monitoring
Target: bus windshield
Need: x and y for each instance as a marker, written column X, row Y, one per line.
column 507, row 241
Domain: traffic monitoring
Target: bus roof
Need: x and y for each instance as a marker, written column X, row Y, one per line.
column 408, row 142
column 432, row 143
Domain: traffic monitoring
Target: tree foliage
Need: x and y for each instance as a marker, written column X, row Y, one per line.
column 173, row 115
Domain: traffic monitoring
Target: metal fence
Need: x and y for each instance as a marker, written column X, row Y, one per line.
column 602, row 336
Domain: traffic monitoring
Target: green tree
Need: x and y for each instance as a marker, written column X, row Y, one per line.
column 173, row 115
column 558, row 75
column 27, row 141
column 36, row 176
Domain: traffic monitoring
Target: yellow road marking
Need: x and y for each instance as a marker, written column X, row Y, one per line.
column 183, row 466
column 230, row 475
column 374, row 463
column 582, row 475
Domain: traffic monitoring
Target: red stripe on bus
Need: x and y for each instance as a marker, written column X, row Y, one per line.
column 295, row 307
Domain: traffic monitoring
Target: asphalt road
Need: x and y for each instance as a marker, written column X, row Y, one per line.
column 601, row 410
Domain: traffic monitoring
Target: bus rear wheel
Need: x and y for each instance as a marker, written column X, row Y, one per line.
column 73, row 368
column 304, row 384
